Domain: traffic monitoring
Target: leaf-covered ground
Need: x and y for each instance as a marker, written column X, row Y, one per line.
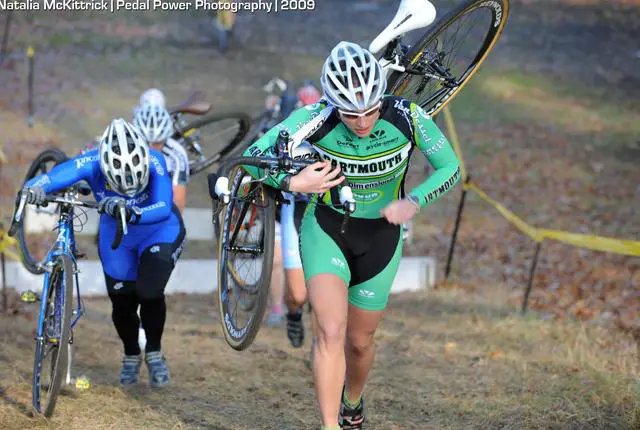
column 549, row 127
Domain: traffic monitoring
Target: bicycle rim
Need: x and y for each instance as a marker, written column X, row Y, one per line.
column 430, row 93
column 56, row 332
column 218, row 135
column 241, row 331
column 36, row 232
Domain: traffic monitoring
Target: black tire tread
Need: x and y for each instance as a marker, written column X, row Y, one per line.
column 49, row 154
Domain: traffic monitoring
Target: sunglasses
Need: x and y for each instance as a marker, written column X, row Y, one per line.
column 354, row 115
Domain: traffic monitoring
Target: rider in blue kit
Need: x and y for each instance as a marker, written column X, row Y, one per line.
column 123, row 167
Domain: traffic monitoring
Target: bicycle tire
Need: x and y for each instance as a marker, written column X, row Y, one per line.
column 48, row 155
column 241, row 338
column 244, row 121
column 64, row 265
column 500, row 12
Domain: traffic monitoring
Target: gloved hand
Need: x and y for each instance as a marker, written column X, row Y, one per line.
column 35, row 195
column 109, row 206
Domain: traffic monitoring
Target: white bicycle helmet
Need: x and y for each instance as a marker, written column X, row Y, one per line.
column 154, row 121
column 124, row 158
column 352, row 78
column 152, row 96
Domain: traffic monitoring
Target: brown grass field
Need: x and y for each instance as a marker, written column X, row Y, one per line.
column 447, row 359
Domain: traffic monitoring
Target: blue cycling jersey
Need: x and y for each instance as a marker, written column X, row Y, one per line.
column 158, row 222
column 154, row 201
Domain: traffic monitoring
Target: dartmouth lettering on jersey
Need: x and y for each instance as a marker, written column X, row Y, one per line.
column 377, row 166
column 444, row 187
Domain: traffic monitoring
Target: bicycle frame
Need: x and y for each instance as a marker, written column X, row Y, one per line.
column 64, row 244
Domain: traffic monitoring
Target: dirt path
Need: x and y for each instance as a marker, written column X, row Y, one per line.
column 446, row 360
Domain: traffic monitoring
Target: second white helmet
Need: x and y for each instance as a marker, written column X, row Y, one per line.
column 154, row 121
column 152, row 96
column 352, row 78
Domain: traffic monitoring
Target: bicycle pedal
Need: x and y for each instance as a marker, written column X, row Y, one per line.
column 29, row 297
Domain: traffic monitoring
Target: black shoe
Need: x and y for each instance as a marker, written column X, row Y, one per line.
column 351, row 418
column 295, row 329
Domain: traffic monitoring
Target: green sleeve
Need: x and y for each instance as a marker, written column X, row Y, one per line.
column 435, row 146
column 265, row 146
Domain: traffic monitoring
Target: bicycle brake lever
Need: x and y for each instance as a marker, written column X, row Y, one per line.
column 123, row 215
column 21, row 205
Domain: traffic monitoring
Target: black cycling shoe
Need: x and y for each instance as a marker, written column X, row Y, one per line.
column 351, row 418
column 295, row 329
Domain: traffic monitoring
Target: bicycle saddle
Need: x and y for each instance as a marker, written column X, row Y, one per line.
column 411, row 15
column 195, row 104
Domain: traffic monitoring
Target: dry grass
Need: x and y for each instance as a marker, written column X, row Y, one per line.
column 446, row 359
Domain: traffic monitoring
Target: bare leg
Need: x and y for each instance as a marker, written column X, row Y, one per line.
column 328, row 294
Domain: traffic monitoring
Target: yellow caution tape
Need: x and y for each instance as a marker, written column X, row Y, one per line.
column 453, row 138
column 532, row 232
column 596, row 243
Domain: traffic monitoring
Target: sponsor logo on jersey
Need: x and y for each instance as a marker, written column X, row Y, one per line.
column 401, row 107
column 138, row 199
column 44, row 180
column 378, row 166
column 368, row 198
column 449, row 183
column 345, row 140
column 254, row 151
column 376, row 184
column 88, row 159
column 153, row 206
column 418, row 111
column 157, row 165
column 436, row 147
column 378, row 134
column 383, row 143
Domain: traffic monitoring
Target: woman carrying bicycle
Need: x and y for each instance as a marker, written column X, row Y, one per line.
column 124, row 168
column 156, row 124
column 369, row 137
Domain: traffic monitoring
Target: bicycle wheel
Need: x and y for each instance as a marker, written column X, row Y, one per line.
column 443, row 69
column 240, row 247
column 54, row 331
column 210, row 138
column 36, row 232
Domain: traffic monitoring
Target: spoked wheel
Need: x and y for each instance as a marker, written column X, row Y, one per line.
column 52, row 342
column 210, row 138
column 245, row 259
column 442, row 62
column 37, row 230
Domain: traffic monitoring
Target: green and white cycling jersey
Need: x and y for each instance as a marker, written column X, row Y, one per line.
column 368, row 255
column 375, row 165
